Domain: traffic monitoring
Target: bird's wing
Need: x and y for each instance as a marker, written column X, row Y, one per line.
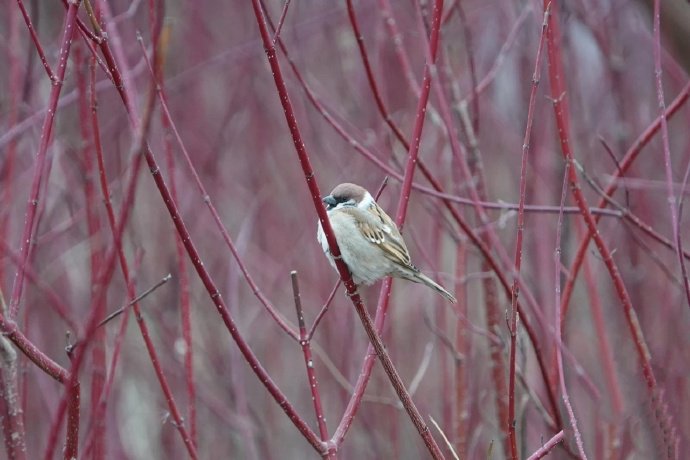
column 379, row 229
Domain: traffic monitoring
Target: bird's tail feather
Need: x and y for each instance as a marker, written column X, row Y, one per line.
column 422, row 278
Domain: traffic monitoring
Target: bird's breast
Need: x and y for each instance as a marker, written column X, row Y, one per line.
column 364, row 259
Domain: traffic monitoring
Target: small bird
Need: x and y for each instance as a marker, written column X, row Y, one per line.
column 369, row 241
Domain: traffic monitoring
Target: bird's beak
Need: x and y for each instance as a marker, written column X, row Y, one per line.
column 329, row 201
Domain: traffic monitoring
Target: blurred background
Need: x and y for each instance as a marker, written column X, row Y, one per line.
column 224, row 104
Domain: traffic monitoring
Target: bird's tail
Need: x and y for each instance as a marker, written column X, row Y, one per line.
column 422, row 278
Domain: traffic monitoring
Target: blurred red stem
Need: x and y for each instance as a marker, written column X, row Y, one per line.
column 39, row 165
column 679, row 238
column 107, row 202
column 413, row 151
column 37, row 44
column 467, row 42
column 558, row 94
column 515, row 290
column 462, row 364
column 668, row 167
column 471, row 166
column 547, row 447
column 57, row 304
column 557, row 305
column 139, row 144
column 183, row 279
column 370, row 76
column 98, row 354
column 281, row 20
column 275, row 314
column 195, row 258
column 512, row 37
column 631, row 155
column 397, row 40
column 607, row 357
column 131, row 292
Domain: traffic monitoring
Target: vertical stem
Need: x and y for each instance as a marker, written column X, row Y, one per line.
column 624, row 165
column 462, row 348
column 197, row 262
column 71, row 451
column 309, row 363
column 561, row 113
column 160, row 36
column 98, row 354
column 600, row 323
column 429, row 72
column 305, row 163
column 12, row 417
column 557, row 305
column 668, row 167
column 32, row 204
column 513, row 325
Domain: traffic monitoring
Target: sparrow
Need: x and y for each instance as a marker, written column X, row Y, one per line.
column 370, row 243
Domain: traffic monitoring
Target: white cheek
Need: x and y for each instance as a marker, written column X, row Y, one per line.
column 366, row 201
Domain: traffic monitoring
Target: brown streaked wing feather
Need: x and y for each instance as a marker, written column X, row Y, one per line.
column 391, row 243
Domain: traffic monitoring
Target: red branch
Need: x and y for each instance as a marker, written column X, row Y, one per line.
column 557, row 306
column 39, row 165
column 668, row 167
column 513, row 325
column 546, row 448
column 371, row 330
column 557, row 80
column 448, row 199
column 305, row 343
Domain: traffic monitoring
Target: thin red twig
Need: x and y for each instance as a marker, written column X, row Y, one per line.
column 309, row 363
column 397, row 40
column 557, row 305
column 39, row 165
column 98, row 351
column 324, row 309
column 37, row 43
column 138, row 145
column 275, row 314
column 629, row 158
column 281, row 20
column 557, row 80
column 547, row 447
column 668, row 166
column 513, row 324
column 400, row 218
column 182, row 273
column 201, row 270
